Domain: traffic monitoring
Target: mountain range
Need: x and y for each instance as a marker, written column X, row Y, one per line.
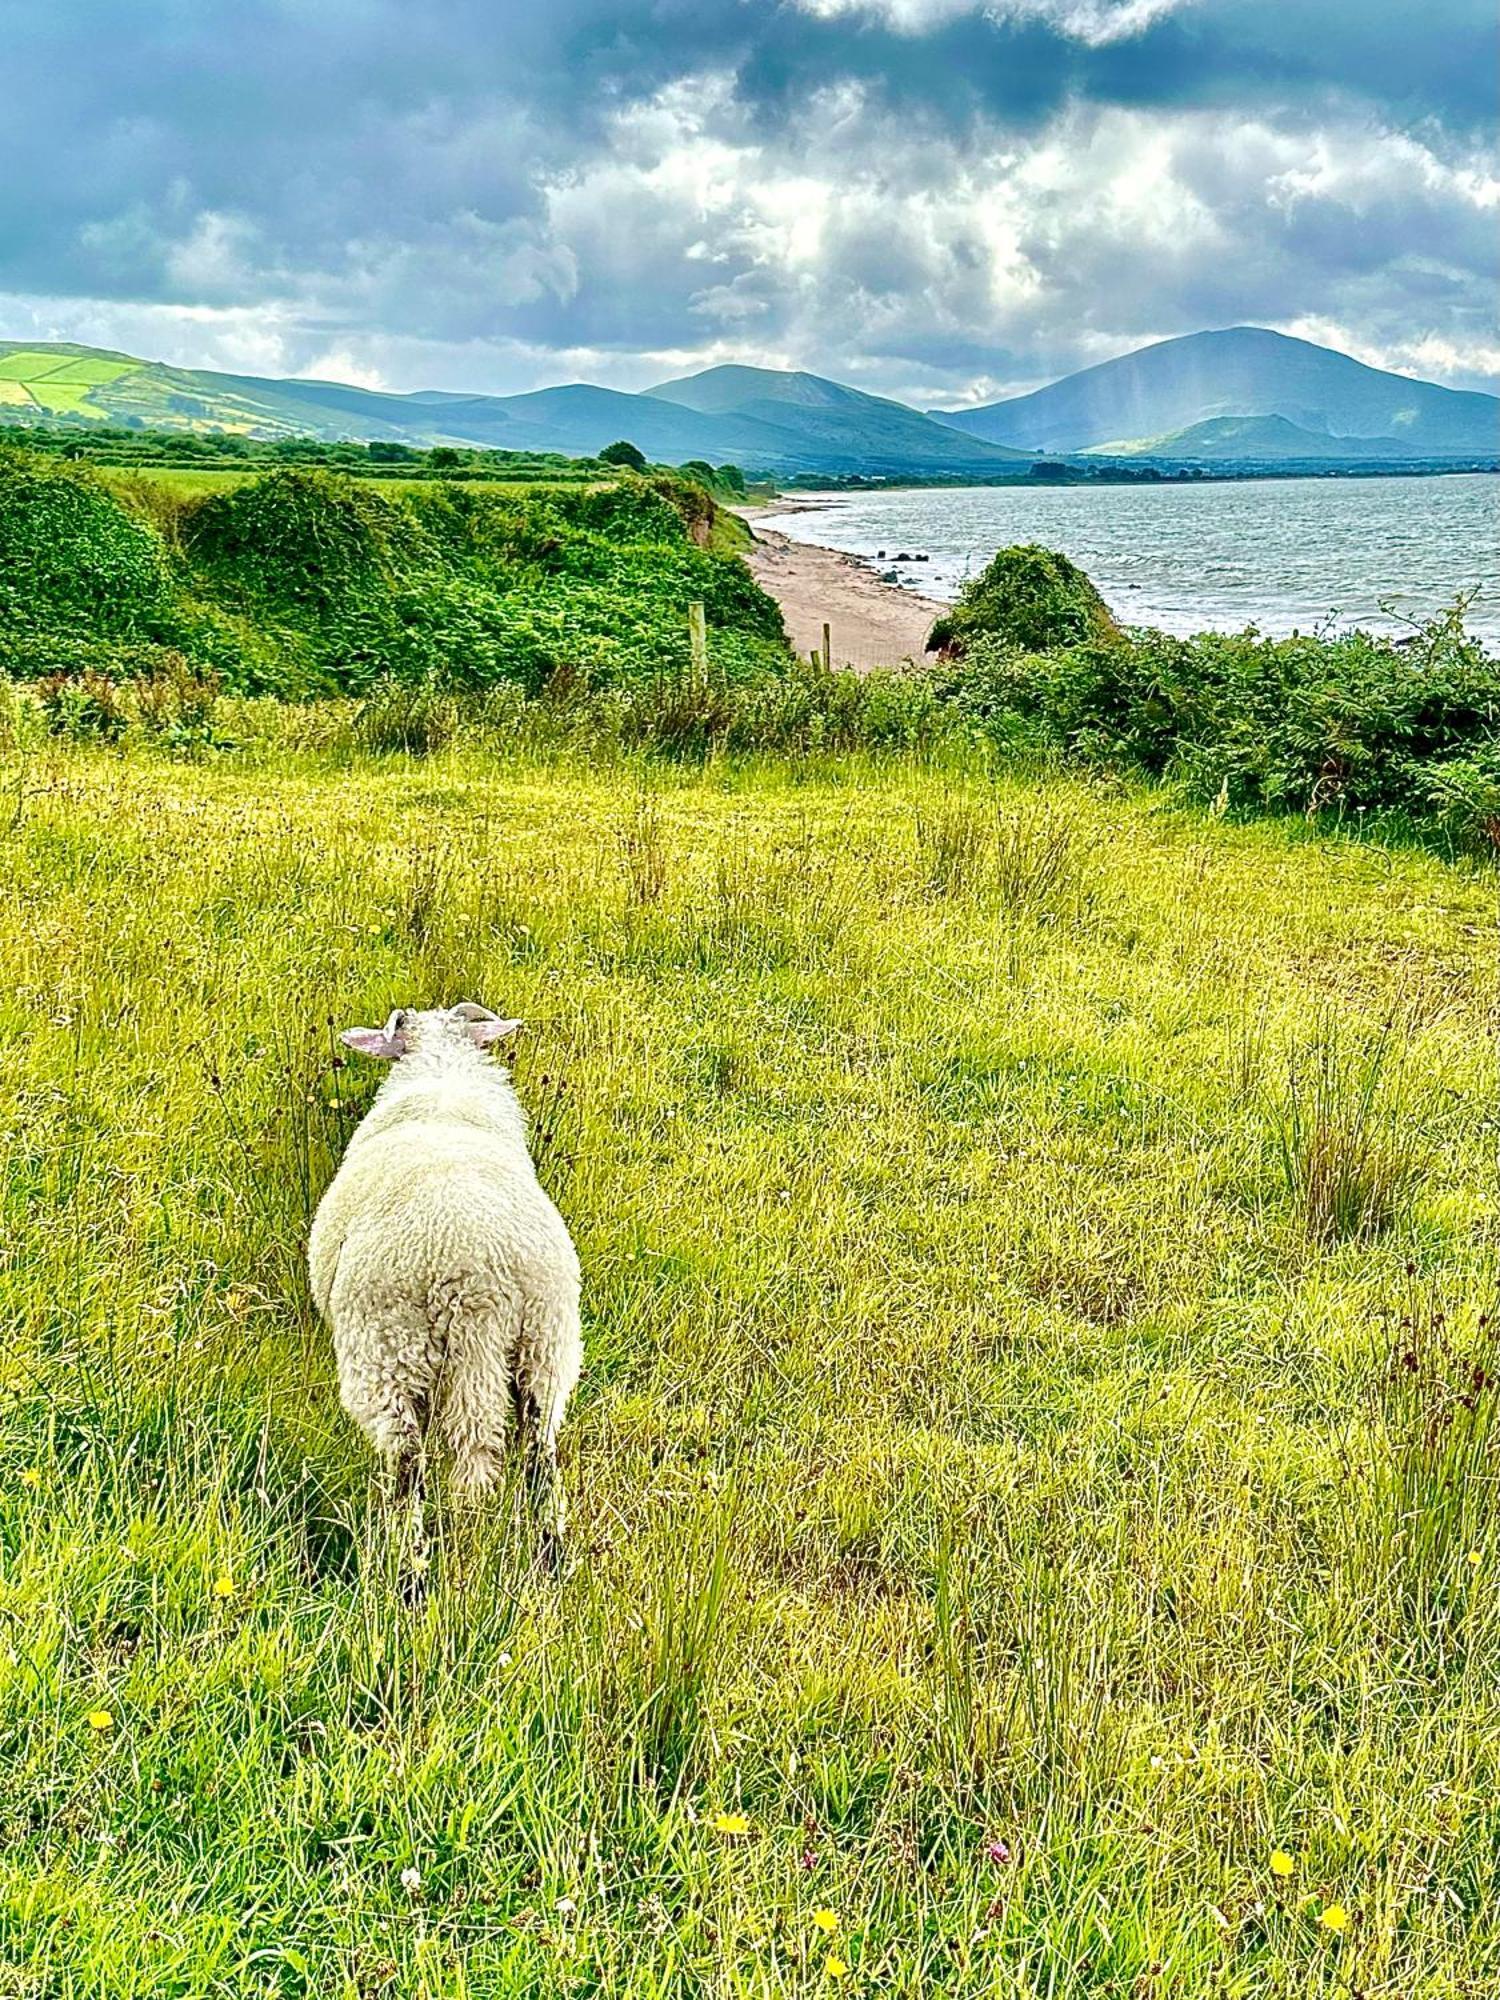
column 1305, row 402
column 1243, row 395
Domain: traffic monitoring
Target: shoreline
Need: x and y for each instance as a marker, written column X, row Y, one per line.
column 1187, row 574
column 871, row 623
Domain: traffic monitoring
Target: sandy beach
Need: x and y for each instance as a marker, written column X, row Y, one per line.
column 872, row 624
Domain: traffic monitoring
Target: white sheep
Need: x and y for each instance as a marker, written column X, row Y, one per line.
column 446, row 1275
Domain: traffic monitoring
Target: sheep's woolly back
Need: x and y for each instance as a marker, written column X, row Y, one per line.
column 446, row 1274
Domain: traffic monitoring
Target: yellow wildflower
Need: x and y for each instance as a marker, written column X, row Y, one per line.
column 835, row 1968
column 224, row 1586
column 825, row 1921
column 731, row 1823
column 100, row 1719
column 1476, row 1556
column 1335, row 1918
column 1282, row 1863
column 31, row 1477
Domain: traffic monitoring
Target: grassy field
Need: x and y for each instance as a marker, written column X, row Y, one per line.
column 189, row 481
column 56, row 384
column 1034, row 1501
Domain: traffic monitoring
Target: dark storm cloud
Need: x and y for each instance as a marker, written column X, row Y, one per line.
column 623, row 179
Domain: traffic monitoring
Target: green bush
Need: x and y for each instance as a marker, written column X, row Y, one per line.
column 1029, row 597
column 73, row 562
column 304, row 542
column 1464, row 792
column 88, row 707
column 1357, row 723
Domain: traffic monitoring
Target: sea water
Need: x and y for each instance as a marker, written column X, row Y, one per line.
column 1212, row 555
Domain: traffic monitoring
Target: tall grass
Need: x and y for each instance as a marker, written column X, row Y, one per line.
column 1434, row 1468
column 993, row 1539
column 1347, row 1142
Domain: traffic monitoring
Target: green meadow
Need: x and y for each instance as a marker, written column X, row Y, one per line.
column 188, row 481
column 54, row 384
column 1033, row 1483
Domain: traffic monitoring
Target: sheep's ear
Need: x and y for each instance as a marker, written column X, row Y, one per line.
column 483, row 1027
column 385, row 1044
column 484, row 1033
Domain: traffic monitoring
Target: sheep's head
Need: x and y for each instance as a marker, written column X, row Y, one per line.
column 412, row 1027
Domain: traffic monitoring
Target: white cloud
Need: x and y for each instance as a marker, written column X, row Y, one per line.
column 941, row 265
column 866, row 251
column 1430, row 356
column 1096, row 23
column 217, row 257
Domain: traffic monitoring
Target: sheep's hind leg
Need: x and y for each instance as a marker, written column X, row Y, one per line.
column 383, row 1384
column 413, row 1554
column 547, row 1363
column 540, row 1423
column 543, row 1401
column 475, row 1421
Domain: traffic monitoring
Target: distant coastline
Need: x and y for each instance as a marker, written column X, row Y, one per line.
column 1145, row 472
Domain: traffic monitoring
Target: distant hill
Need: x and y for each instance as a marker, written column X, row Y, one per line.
column 1253, row 439
column 846, row 428
column 790, row 423
column 1243, row 396
column 1147, row 400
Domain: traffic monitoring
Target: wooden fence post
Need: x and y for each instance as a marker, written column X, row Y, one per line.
column 827, row 649
column 698, row 640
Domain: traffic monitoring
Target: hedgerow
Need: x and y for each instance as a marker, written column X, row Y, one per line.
column 308, row 582
column 1357, row 723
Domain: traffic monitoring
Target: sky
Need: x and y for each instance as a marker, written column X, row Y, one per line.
column 931, row 199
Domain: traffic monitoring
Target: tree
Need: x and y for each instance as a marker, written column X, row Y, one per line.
column 623, row 452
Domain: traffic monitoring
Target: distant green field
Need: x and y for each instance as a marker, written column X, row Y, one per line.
column 89, row 371
column 61, row 384
column 30, row 366
column 58, row 383
column 181, row 479
column 188, row 480
column 191, row 481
